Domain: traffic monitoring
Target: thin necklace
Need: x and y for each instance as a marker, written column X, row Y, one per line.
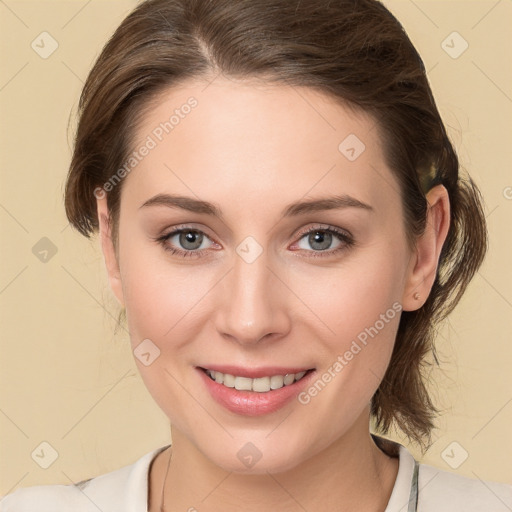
column 162, row 505
column 413, row 497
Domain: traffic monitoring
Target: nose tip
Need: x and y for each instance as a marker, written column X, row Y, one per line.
column 250, row 322
column 252, row 309
column 248, row 336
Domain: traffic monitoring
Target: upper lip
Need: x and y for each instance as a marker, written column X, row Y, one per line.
column 254, row 373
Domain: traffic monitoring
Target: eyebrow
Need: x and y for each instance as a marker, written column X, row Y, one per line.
column 294, row 209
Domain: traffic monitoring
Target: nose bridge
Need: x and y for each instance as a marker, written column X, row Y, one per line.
column 252, row 308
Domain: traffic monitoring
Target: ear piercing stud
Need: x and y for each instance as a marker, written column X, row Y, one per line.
column 416, row 296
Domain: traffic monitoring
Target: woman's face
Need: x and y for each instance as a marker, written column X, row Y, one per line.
column 299, row 263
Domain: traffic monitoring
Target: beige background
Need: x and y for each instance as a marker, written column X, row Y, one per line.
column 68, row 380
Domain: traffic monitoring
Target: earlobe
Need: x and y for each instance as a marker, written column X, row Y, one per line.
column 107, row 247
column 424, row 261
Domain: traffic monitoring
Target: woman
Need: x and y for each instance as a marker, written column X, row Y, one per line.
column 283, row 221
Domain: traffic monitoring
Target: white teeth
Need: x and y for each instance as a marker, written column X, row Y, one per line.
column 276, row 382
column 229, row 380
column 243, row 383
column 259, row 385
column 289, row 378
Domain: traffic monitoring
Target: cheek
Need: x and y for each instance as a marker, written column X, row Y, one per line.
column 353, row 296
column 161, row 301
column 358, row 311
column 160, row 295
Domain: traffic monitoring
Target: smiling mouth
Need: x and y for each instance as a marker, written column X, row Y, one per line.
column 258, row 385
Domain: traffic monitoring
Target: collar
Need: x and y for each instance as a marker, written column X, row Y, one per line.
column 403, row 497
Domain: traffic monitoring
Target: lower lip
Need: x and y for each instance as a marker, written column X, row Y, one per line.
column 252, row 403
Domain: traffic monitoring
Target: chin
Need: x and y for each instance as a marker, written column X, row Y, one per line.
column 254, row 455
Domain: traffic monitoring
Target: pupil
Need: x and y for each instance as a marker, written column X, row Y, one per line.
column 322, row 238
column 190, row 237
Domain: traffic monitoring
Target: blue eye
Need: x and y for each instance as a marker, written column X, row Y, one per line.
column 189, row 239
column 323, row 239
column 189, row 242
column 320, row 239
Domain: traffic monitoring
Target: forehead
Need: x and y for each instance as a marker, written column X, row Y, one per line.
column 242, row 140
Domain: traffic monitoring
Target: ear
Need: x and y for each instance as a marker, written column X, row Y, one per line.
column 423, row 265
column 107, row 246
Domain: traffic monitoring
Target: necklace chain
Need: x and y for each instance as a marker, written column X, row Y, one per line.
column 162, row 501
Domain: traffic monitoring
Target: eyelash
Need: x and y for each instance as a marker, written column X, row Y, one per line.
column 343, row 236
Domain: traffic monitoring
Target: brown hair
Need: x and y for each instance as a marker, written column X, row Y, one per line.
column 352, row 50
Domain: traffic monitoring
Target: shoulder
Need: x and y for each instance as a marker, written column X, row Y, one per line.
column 439, row 490
column 46, row 498
column 122, row 490
column 442, row 491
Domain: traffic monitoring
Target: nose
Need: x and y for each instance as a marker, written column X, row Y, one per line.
column 253, row 308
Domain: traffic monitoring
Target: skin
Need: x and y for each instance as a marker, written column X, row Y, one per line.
column 252, row 149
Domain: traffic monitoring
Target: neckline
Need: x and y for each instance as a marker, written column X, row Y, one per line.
column 145, row 491
column 404, row 493
column 413, row 497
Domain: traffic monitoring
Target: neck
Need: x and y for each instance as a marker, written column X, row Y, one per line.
column 352, row 474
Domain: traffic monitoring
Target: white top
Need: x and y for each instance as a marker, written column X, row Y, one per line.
column 126, row 490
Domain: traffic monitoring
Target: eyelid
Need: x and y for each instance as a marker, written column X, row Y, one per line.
column 186, row 227
column 323, row 227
